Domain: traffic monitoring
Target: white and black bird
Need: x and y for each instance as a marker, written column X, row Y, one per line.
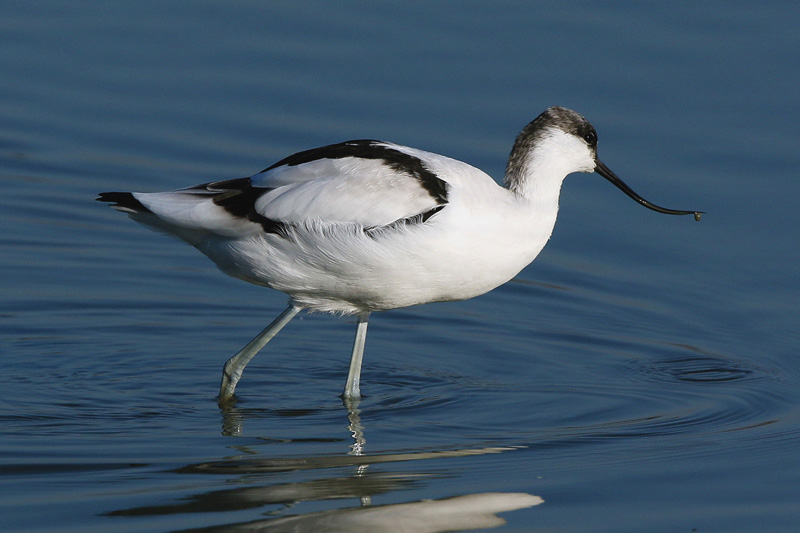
column 366, row 225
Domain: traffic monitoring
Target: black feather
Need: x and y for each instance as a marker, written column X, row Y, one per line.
column 124, row 200
column 372, row 149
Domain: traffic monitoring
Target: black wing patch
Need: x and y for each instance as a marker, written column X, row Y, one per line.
column 372, row 149
column 124, row 200
column 238, row 197
column 375, row 231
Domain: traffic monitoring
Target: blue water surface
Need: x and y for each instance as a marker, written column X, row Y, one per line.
column 641, row 375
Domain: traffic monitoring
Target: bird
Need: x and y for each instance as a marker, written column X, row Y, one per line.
column 364, row 226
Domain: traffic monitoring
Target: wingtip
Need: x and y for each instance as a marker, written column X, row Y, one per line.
column 123, row 201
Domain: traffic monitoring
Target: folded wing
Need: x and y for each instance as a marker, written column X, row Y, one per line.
column 369, row 183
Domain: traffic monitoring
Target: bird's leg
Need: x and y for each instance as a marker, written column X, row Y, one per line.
column 352, row 388
column 355, row 427
column 232, row 371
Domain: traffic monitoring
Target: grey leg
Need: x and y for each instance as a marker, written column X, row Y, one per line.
column 352, row 388
column 234, row 367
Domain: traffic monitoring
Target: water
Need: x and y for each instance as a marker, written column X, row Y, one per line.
column 642, row 375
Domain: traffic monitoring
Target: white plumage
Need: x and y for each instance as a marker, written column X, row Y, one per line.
column 367, row 226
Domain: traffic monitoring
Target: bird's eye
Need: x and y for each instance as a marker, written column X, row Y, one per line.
column 590, row 138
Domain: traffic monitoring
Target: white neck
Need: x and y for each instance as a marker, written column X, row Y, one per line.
column 536, row 171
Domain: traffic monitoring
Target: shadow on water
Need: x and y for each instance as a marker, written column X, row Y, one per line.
column 468, row 511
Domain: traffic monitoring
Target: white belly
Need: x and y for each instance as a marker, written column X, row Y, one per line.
column 343, row 269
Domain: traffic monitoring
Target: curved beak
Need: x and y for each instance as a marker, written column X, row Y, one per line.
column 621, row 185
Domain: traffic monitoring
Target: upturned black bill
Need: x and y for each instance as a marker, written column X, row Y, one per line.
column 621, row 185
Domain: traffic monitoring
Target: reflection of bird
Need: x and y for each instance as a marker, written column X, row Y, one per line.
column 365, row 226
column 470, row 511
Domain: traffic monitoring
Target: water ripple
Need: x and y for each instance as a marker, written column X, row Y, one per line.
column 684, row 399
column 700, row 367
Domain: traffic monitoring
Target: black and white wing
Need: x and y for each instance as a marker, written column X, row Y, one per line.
column 365, row 182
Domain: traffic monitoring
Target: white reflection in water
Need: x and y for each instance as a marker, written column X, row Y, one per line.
column 474, row 511
column 469, row 511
